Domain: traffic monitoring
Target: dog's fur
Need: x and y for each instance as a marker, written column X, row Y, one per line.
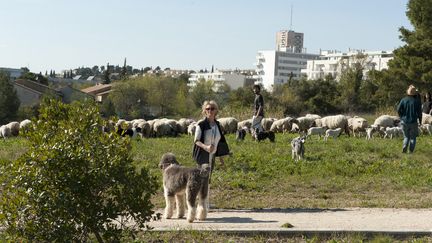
column 298, row 148
column 265, row 134
column 180, row 182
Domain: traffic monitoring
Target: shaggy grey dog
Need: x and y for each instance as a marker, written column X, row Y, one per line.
column 298, row 148
column 184, row 184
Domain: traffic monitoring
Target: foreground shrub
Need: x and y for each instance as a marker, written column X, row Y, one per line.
column 74, row 182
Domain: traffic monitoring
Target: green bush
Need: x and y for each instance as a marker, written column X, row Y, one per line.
column 74, row 182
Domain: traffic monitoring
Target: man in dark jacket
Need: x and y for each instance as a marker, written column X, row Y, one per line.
column 410, row 113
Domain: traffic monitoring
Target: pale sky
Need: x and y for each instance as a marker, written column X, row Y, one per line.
column 185, row 34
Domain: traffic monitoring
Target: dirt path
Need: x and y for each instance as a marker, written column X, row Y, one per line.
column 309, row 220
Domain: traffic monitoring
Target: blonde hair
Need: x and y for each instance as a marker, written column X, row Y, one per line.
column 411, row 90
column 209, row 102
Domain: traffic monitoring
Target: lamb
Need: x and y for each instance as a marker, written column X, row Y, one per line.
column 298, row 148
column 426, row 128
column 387, row 121
column 357, row 124
column 393, row 131
column 228, row 124
column 370, row 131
column 332, row 133
column 14, row 128
column 333, row 122
column 316, row 131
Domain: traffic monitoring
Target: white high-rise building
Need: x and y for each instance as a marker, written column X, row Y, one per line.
column 285, row 63
column 289, row 40
column 334, row 62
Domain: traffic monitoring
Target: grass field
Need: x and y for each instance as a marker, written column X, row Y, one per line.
column 347, row 172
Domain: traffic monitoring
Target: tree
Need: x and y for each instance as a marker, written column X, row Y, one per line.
column 202, row 91
column 106, row 79
column 9, row 101
column 74, row 181
column 129, row 98
column 412, row 62
column 123, row 73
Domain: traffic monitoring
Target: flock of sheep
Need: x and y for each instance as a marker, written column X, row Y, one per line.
column 12, row 128
column 311, row 125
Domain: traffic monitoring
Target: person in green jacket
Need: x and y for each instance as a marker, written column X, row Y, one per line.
column 410, row 113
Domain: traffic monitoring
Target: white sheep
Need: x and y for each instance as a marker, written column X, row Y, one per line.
column 304, row 123
column 163, row 127
column 25, row 123
column 370, row 131
column 320, row 131
column 143, row 128
column 426, row 118
column 393, row 132
column 313, row 116
column 191, row 128
column 5, row 132
column 332, row 133
column 386, row 121
column 266, row 123
column 245, row 123
column 357, row 124
column 282, row 125
column 228, row 124
column 14, row 128
column 333, row 122
column 183, row 123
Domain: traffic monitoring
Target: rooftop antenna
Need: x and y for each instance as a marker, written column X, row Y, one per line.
column 291, row 17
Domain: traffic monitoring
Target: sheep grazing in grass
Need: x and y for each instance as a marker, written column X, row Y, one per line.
column 5, row 132
column 245, row 123
column 298, row 148
column 164, row 127
column 426, row 119
column 333, row 122
column 283, row 125
column 357, row 124
column 228, row 124
column 332, row 133
column 266, row 123
column 304, row 123
column 426, row 128
column 391, row 132
column 182, row 125
column 313, row 116
column 320, row 131
column 25, row 123
column 191, row 129
column 370, row 131
column 14, row 128
column 387, row 121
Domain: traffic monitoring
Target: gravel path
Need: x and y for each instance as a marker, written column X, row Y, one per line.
column 309, row 220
